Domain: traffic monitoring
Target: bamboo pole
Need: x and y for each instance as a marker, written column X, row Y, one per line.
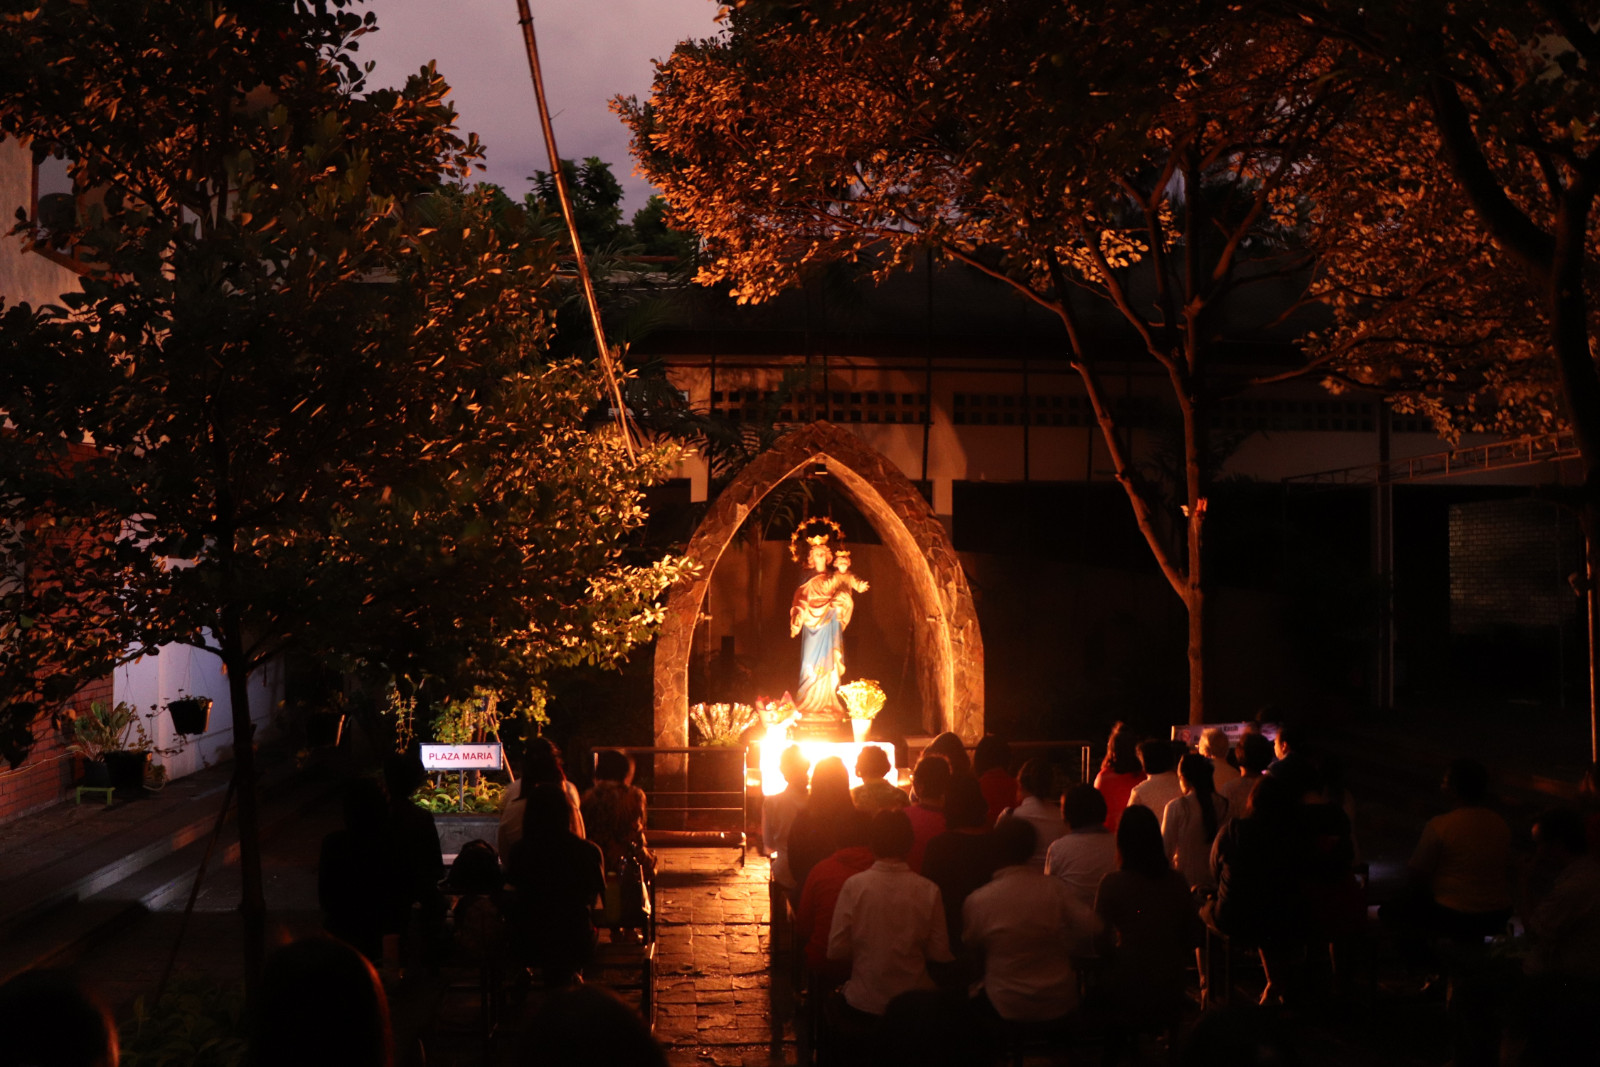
column 608, row 357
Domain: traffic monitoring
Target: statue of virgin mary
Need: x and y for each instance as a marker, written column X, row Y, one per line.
column 820, row 612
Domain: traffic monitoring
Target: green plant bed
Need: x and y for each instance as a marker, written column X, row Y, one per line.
column 196, row 1023
column 444, row 795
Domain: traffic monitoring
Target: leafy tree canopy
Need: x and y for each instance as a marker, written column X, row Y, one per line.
column 314, row 373
column 596, row 200
column 1132, row 168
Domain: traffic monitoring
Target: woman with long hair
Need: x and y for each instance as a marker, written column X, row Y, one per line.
column 541, row 765
column 1119, row 772
column 827, row 822
column 1190, row 823
column 950, row 746
column 1151, row 926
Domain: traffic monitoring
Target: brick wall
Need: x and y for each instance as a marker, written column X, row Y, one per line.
column 1509, row 561
column 46, row 776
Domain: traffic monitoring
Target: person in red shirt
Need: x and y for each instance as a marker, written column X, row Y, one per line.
column 991, row 762
column 821, row 895
column 1120, row 771
column 929, row 783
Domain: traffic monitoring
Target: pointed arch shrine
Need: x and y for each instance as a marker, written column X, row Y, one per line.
column 948, row 650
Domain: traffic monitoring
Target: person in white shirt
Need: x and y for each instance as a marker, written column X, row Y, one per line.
column 1160, row 787
column 889, row 922
column 1254, row 753
column 1190, row 823
column 541, row 765
column 1037, row 787
column 1089, row 851
column 1025, row 927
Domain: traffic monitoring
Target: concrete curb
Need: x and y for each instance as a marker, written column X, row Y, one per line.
column 104, row 900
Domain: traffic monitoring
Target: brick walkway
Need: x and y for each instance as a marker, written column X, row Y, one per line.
column 719, row 1001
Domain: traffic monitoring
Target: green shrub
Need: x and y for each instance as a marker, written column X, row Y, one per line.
column 195, row 1024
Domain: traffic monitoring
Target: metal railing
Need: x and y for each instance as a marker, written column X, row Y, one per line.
column 1023, row 750
column 1473, row 459
column 668, row 804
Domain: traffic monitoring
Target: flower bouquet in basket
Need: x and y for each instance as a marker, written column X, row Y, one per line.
column 722, row 724
column 863, row 699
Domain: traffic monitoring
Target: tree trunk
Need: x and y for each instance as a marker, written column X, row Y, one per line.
column 1590, row 522
column 1198, row 608
column 1580, row 386
column 252, row 901
column 1196, row 477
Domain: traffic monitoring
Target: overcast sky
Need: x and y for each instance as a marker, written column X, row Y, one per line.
column 590, row 50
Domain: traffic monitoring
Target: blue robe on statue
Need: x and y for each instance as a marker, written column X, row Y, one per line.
column 817, row 612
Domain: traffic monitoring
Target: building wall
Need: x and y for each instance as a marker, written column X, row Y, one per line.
column 150, row 682
column 46, row 776
column 1006, row 420
column 25, row 275
column 1066, row 588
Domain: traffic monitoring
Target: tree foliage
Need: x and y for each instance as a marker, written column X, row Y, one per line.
column 322, row 412
column 596, row 200
column 1421, row 304
column 1132, row 168
column 1471, row 177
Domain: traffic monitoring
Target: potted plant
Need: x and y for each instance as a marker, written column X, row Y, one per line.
column 113, row 744
column 190, row 715
column 863, row 699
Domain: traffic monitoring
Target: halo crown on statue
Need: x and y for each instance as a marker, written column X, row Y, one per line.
column 816, row 530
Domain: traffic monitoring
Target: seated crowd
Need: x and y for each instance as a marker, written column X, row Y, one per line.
column 981, row 904
column 1008, row 885
column 532, row 903
column 1086, row 907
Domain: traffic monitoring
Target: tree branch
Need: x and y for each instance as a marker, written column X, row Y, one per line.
column 1143, row 513
column 1512, row 227
column 1119, row 297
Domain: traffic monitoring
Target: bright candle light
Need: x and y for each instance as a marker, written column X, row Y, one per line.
column 771, row 749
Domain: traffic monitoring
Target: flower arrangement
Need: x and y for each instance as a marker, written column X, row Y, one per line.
column 722, row 724
column 863, row 698
column 775, row 712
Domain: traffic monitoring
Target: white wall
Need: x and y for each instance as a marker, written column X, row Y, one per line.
column 178, row 670
column 24, row 275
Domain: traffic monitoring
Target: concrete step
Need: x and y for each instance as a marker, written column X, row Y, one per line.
column 103, row 892
column 91, row 870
